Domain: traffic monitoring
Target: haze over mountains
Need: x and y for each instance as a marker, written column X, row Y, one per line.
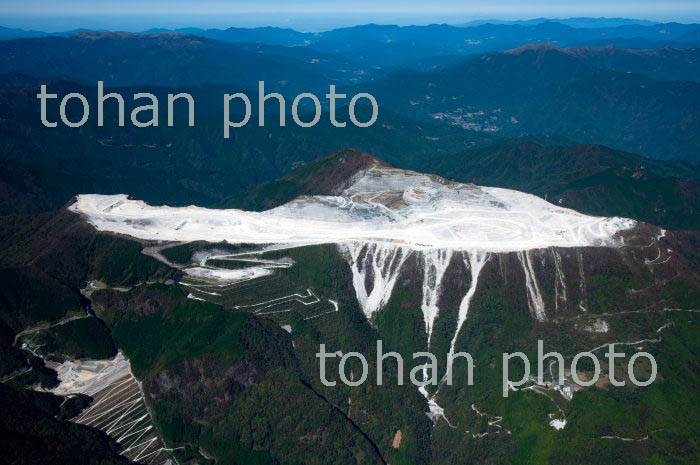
column 388, row 45
column 588, row 95
column 640, row 101
column 172, row 60
column 445, row 226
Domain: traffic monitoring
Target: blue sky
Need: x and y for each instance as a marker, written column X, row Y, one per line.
column 135, row 14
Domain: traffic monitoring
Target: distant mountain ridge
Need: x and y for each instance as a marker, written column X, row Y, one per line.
column 170, row 59
column 381, row 46
column 663, row 64
column 580, row 22
column 642, row 101
column 469, row 219
column 202, row 167
column 586, row 95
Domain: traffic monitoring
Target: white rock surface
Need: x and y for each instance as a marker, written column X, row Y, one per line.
column 557, row 424
column 90, row 376
column 226, row 276
column 382, row 204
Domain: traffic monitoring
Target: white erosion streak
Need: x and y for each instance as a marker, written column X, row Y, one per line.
column 583, row 305
column 384, row 262
column 434, row 410
column 435, row 263
column 475, row 260
column 535, row 301
column 559, row 282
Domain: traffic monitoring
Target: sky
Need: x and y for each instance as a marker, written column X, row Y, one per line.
column 55, row 15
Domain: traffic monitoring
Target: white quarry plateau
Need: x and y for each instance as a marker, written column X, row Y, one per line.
column 381, row 204
column 384, row 216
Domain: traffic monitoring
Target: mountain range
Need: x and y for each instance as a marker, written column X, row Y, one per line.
column 112, row 160
column 167, row 290
column 173, row 60
column 375, row 45
column 640, row 101
column 257, row 357
column 541, row 89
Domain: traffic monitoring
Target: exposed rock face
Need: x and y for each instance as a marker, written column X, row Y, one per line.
column 553, row 282
column 381, row 204
column 432, row 266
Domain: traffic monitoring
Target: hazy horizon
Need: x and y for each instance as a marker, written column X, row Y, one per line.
column 304, row 22
column 319, row 15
